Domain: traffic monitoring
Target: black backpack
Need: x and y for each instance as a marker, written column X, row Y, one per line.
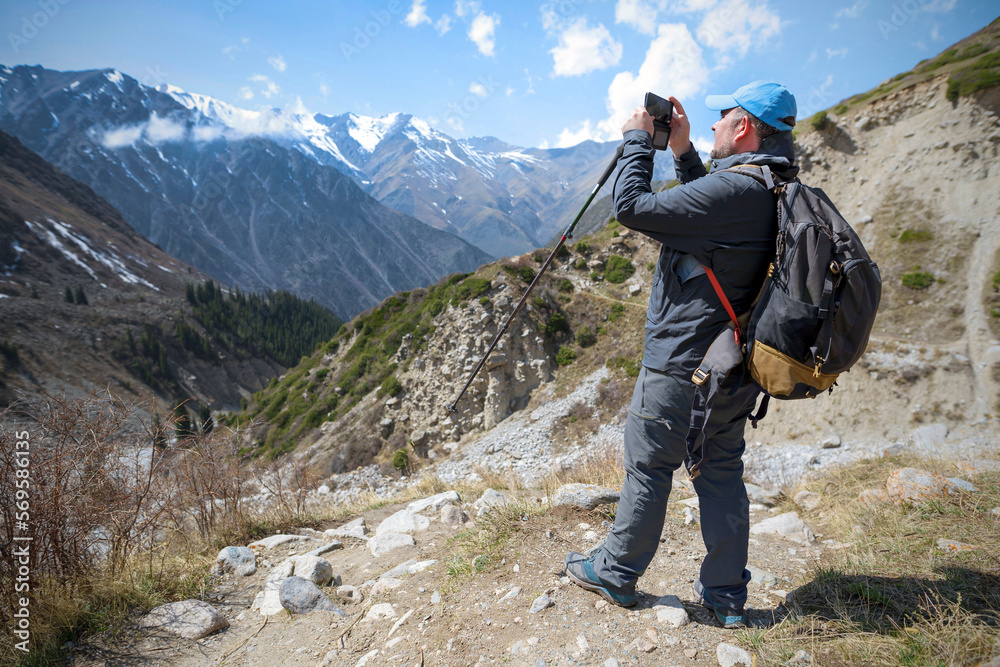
column 816, row 309
column 814, row 313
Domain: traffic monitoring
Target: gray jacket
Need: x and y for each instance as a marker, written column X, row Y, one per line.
column 724, row 220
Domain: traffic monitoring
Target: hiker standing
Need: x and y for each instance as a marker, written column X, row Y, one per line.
column 727, row 222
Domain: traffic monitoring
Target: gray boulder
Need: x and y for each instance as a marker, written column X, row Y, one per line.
column 453, row 516
column 434, row 502
column 490, row 498
column 403, row 521
column 731, row 656
column 301, row 596
column 383, row 544
column 190, row 619
column 586, row 496
column 239, row 560
column 788, row 525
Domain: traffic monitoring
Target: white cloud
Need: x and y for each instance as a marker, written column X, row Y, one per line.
column 159, row 130
column 936, row 32
column 299, row 107
column 582, row 50
column 418, row 14
column 270, row 88
column 853, row 11
column 939, row 6
column 812, row 57
column 478, row 89
column 122, row 136
column 324, row 89
column 530, row 90
column 277, row 63
column 483, row 33
column 205, row 133
column 833, row 53
column 734, row 26
column 246, row 93
column 466, row 7
column 509, row 91
column 640, row 14
column 695, row 5
column 703, row 145
column 569, row 137
column 673, row 66
column 230, row 50
column 443, row 24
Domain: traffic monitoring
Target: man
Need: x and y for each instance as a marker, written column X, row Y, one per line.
column 727, row 222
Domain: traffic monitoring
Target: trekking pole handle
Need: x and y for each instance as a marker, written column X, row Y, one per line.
column 562, row 240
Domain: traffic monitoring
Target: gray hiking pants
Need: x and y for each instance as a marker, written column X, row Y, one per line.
column 655, row 434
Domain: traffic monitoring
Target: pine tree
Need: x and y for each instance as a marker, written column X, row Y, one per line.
column 81, row 298
column 69, row 295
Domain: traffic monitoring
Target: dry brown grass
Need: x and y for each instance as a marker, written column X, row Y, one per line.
column 893, row 597
column 118, row 523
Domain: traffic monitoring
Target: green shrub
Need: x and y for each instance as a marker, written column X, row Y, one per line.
column 629, row 365
column 996, row 281
column 538, row 258
column 556, row 323
column 400, row 460
column 651, row 267
column 562, row 252
column 580, row 264
column 839, row 109
column 391, row 385
column 615, row 234
column 566, row 285
column 618, row 269
column 484, row 301
column 818, row 120
column 915, row 236
column 565, row 356
column 595, row 276
column 918, row 279
column 538, row 301
column 322, row 373
column 526, row 273
column 617, row 310
column 614, row 224
column 585, row 337
column 581, row 247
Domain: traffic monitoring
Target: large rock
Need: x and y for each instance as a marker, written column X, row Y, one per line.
column 403, row 521
column 453, row 516
column 586, row 496
column 239, row 560
column 301, row 596
column 356, row 529
column 434, row 502
column 912, row 485
column 764, row 496
column 383, row 544
column 670, row 611
column 315, row 569
column 788, row 525
column 731, row 656
column 190, row 619
column 490, row 498
column 807, row 500
column 274, row 541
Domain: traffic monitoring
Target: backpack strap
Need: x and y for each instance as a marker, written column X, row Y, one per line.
column 725, row 303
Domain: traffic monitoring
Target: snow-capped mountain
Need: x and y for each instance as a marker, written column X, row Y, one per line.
column 250, row 197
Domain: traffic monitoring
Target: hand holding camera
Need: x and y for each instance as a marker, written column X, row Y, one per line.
column 665, row 121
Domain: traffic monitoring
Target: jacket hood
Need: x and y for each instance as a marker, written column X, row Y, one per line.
column 776, row 151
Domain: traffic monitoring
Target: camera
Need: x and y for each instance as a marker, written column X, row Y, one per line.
column 661, row 110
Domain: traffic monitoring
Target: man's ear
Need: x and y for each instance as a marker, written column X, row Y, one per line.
column 745, row 129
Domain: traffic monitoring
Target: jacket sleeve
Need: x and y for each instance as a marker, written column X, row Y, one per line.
column 696, row 217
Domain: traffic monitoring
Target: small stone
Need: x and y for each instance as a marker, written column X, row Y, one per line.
column 730, row 656
column 383, row 544
column 404, row 522
column 690, row 516
column 582, row 643
column 759, row 494
column 315, row 569
column 350, row 593
column 953, row 545
column 762, row 577
column 355, row 528
column 301, row 596
column 383, row 586
column 611, row 662
column 490, row 498
column 788, row 525
column 325, row 549
column 691, row 653
column 435, row 502
column 238, row 560
column 540, row 603
column 830, row 443
column 670, row 611
column 453, row 516
column 513, row 593
column 602, row 605
column 380, row 612
column 190, row 619
column 800, row 658
column 807, row 500
column 585, row 496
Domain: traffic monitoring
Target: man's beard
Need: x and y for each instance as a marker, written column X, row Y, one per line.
column 723, row 151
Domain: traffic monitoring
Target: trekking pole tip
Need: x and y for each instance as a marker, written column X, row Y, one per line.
column 451, row 408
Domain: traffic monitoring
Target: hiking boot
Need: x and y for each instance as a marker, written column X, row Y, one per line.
column 728, row 618
column 580, row 570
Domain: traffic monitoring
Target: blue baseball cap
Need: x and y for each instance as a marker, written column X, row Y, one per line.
column 767, row 100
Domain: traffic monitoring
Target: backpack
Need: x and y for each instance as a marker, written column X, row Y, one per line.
column 815, row 312
column 812, row 318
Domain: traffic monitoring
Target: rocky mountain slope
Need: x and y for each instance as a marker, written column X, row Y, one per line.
column 245, row 207
column 911, row 165
column 89, row 304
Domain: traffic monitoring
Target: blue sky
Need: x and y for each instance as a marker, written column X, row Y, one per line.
column 530, row 73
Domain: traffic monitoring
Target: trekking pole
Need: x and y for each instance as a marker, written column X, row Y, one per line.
column 565, row 235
